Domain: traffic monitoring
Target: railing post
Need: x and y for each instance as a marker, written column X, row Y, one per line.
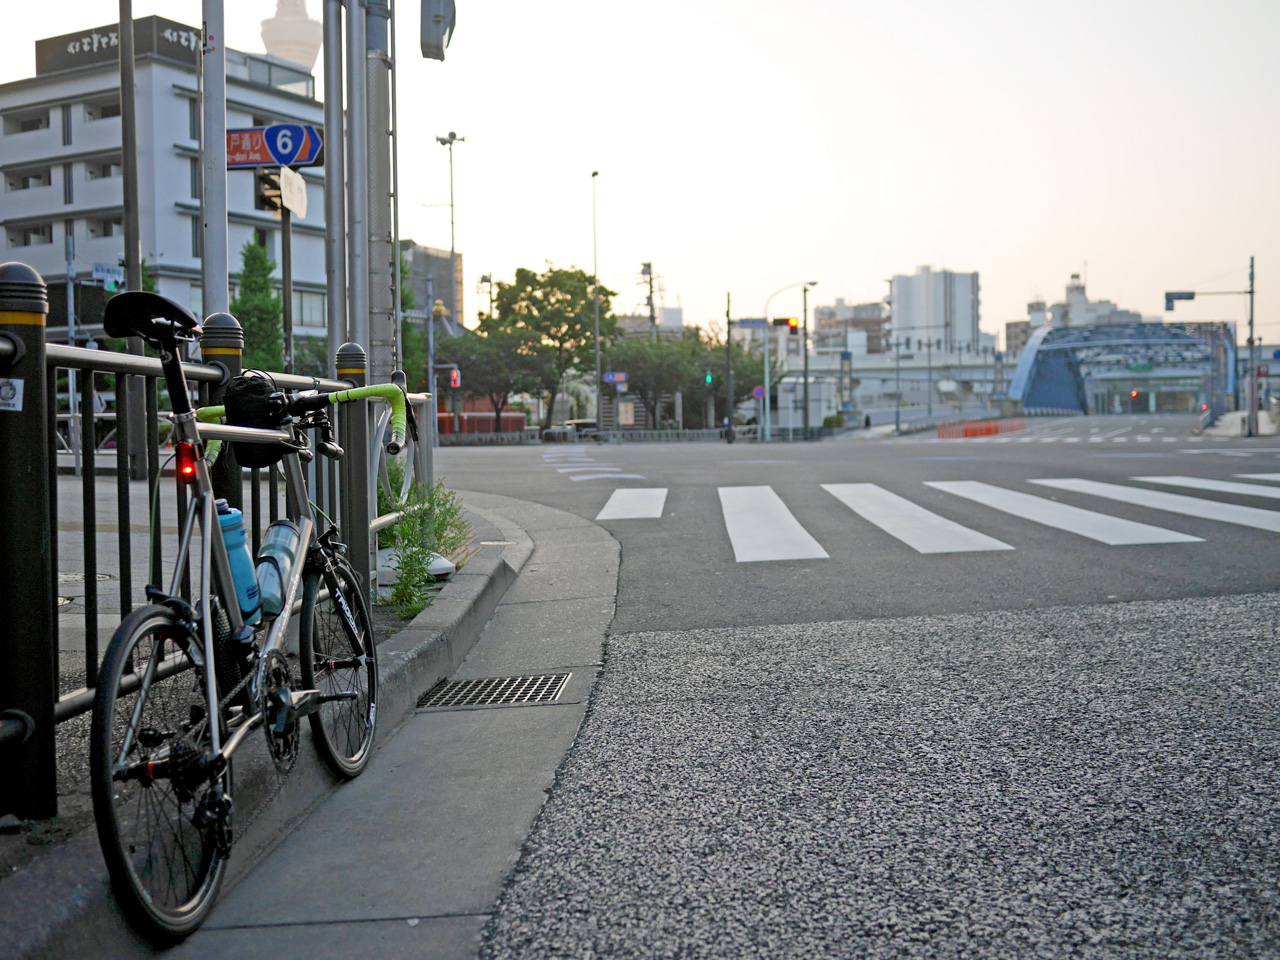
column 352, row 365
column 222, row 343
column 28, row 638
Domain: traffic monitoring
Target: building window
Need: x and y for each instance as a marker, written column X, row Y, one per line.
column 28, row 179
column 31, row 236
column 66, row 124
column 195, row 178
column 197, row 297
column 262, row 237
column 102, row 110
column 261, row 122
column 100, row 227
column 193, row 120
column 308, row 309
column 67, row 195
column 102, row 169
column 26, row 122
column 196, row 234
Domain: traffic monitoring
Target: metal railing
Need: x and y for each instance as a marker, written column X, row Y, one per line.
column 77, row 548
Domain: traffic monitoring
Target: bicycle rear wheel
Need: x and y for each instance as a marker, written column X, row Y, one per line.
column 339, row 657
column 163, row 822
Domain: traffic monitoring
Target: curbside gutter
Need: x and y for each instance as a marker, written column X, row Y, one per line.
column 61, row 905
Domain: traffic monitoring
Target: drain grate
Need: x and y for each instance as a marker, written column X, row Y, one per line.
column 493, row 690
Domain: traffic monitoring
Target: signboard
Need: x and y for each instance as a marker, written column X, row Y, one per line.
column 626, row 414
column 279, row 145
column 615, row 377
column 111, row 275
column 151, row 35
column 752, row 323
column 758, row 393
column 1264, row 370
column 1275, row 354
column 293, row 192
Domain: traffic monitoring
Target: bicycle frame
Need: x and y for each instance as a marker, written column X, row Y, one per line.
column 215, row 564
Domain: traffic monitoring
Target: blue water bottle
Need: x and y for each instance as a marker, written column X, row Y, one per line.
column 242, row 572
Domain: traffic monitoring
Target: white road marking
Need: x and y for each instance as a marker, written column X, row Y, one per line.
column 920, row 529
column 1260, row 476
column 607, row 476
column 1113, row 531
column 1216, row 486
column 762, row 528
column 634, row 503
column 1174, row 503
column 594, row 466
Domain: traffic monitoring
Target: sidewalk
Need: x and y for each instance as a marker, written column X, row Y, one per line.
column 409, row 859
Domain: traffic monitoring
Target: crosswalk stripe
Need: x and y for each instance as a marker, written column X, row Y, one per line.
column 762, row 528
column 1260, row 476
column 1216, row 486
column 634, row 503
column 1112, row 531
column 1174, row 503
column 596, row 466
column 920, row 529
column 607, row 476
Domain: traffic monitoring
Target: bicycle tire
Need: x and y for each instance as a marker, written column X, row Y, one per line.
column 165, row 867
column 334, row 664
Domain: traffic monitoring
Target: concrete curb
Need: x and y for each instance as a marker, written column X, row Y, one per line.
column 61, row 905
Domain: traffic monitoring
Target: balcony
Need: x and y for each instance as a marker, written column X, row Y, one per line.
column 33, row 145
column 32, row 202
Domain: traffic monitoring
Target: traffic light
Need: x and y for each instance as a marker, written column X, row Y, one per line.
column 794, row 324
column 266, row 189
column 1133, row 394
column 708, row 378
column 455, row 378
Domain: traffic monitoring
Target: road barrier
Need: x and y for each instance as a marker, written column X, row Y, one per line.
column 980, row 428
column 36, row 643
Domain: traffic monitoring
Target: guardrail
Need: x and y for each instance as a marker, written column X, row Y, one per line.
column 63, row 531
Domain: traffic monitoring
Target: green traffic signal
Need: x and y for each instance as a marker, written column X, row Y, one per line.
column 708, row 377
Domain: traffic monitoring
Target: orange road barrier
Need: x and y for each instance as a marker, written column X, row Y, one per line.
column 980, row 428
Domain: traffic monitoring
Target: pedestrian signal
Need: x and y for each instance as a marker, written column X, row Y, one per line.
column 455, row 378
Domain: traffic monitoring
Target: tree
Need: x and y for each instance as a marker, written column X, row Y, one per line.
column 258, row 308
column 556, row 306
column 655, row 369
column 496, row 361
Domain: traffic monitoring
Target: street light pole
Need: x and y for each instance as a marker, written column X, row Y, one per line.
column 768, row 332
column 728, row 347
column 804, row 346
column 595, row 284
column 449, row 141
column 897, row 385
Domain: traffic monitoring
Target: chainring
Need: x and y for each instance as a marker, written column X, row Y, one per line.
column 276, row 682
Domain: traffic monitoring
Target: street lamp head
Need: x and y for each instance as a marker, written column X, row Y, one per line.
column 595, row 173
column 450, row 139
column 811, row 283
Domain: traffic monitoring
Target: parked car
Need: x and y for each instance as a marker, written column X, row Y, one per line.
column 585, row 429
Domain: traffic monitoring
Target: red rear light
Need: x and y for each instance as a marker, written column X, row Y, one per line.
column 1203, row 407
column 186, row 460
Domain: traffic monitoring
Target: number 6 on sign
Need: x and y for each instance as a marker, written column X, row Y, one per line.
column 284, row 143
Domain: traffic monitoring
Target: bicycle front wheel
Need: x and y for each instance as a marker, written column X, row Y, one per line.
column 339, row 657
column 163, row 821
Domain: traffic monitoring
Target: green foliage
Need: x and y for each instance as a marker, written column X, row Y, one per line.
column 413, row 354
column 432, row 523
column 497, row 361
column 658, row 369
column 407, row 300
column 258, row 308
column 311, row 356
column 557, row 308
column 833, row 420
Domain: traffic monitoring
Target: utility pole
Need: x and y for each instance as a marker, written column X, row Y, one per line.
column 595, row 286
column 897, row 385
column 728, row 351
column 804, row 347
column 449, row 141
column 647, row 271
column 929, row 357
column 1253, row 363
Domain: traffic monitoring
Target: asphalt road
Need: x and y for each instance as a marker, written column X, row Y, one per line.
column 1019, row 700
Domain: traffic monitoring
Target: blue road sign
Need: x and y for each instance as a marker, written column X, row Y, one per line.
column 752, row 323
column 615, row 377
column 279, row 145
column 1275, row 354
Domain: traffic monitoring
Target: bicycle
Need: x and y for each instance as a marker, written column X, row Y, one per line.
column 184, row 684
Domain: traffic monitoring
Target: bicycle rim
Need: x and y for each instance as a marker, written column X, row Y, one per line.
column 336, row 664
column 165, row 854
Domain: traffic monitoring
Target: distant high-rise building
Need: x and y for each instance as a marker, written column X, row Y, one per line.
column 1077, row 310
column 836, row 326
column 937, row 305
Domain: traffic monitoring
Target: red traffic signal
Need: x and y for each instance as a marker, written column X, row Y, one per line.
column 455, row 377
column 1133, row 394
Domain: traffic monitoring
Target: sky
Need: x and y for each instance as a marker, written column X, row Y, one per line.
column 744, row 146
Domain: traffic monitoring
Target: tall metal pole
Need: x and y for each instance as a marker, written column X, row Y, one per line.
column 335, row 211
column 286, row 272
column 728, row 349
column 804, row 346
column 357, row 160
column 214, row 256
column 137, row 439
column 1253, row 363
column 595, row 283
column 929, row 357
column 897, row 385
column 768, row 334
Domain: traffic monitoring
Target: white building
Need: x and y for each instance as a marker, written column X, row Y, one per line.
column 1077, row 310
column 60, row 157
column 937, row 305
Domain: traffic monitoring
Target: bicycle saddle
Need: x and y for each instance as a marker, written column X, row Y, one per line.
column 133, row 314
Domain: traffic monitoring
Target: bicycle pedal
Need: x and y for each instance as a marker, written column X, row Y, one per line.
column 302, row 703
